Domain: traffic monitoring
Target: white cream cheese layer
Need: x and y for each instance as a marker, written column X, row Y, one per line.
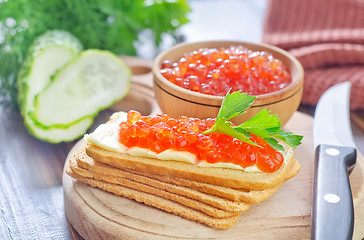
column 106, row 136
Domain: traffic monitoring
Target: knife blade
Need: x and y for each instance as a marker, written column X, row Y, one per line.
column 332, row 214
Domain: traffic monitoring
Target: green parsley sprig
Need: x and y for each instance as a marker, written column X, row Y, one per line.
column 263, row 124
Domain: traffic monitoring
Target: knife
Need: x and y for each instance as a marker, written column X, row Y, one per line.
column 335, row 157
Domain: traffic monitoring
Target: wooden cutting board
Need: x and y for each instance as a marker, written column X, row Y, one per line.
column 96, row 214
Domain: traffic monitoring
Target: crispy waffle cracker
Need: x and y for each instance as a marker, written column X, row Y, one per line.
column 157, row 202
column 186, row 201
column 238, row 195
column 96, row 168
column 213, row 195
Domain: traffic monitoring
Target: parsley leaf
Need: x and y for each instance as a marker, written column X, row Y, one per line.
column 288, row 137
column 231, row 108
column 262, row 124
column 223, row 126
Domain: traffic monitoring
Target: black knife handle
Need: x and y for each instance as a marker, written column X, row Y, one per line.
column 332, row 208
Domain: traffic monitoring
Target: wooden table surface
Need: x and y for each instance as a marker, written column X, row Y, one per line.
column 31, row 195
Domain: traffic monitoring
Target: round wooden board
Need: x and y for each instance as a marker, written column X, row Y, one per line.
column 96, row 214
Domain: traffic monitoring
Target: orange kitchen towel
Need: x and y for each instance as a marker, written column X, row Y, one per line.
column 327, row 37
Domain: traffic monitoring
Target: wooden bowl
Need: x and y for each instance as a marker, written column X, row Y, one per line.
column 177, row 101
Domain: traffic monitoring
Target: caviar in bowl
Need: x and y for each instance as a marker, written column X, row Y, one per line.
column 191, row 79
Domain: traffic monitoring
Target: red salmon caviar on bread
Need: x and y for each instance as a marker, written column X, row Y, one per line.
column 162, row 132
column 212, row 194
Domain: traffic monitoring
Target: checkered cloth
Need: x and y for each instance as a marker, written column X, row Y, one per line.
column 327, row 37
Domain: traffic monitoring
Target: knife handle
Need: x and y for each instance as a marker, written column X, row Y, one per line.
column 332, row 209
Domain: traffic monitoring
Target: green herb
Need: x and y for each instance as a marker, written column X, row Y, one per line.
column 262, row 124
column 113, row 25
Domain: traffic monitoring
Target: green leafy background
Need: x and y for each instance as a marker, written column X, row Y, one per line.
column 112, row 25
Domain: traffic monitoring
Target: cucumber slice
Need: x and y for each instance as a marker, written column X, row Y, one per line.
column 59, row 134
column 48, row 53
column 83, row 87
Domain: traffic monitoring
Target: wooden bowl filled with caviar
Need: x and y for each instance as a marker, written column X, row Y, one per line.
column 191, row 79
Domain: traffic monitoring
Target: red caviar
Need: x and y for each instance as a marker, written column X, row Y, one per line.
column 214, row 71
column 161, row 133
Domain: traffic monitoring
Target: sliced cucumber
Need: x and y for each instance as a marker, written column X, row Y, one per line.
column 60, row 91
column 59, row 134
column 90, row 83
column 48, row 53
